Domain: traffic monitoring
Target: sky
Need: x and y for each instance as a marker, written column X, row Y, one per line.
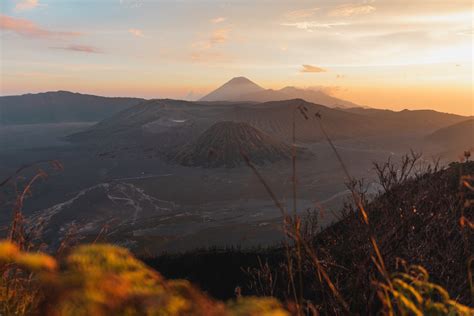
column 394, row 54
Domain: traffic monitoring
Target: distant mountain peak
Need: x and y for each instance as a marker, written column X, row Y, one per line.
column 240, row 89
column 240, row 80
column 59, row 107
column 234, row 89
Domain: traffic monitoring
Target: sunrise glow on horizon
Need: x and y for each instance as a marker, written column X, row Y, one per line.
column 378, row 53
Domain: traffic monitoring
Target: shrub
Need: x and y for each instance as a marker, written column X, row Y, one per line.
column 103, row 279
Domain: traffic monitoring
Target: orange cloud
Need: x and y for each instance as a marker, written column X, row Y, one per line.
column 209, row 56
column 310, row 68
column 303, row 13
column 136, row 32
column 81, row 48
column 218, row 20
column 352, row 9
column 204, row 50
column 310, row 25
column 29, row 29
column 219, row 36
column 331, row 90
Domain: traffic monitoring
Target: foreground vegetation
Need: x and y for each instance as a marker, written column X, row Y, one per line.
column 106, row 280
column 408, row 251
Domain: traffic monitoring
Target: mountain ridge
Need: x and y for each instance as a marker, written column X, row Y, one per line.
column 458, row 135
column 60, row 106
column 232, row 91
column 182, row 121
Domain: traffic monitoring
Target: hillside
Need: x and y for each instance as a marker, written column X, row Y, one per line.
column 417, row 220
column 456, row 135
column 422, row 226
column 171, row 123
column 276, row 118
column 223, row 143
column 411, row 119
column 157, row 113
column 59, row 107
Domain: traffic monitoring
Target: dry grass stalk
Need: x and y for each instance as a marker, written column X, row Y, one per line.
column 280, row 206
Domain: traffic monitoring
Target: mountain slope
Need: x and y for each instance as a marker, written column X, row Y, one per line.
column 276, row 118
column 148, row 119
column 464, row 129
column 427, row 120
column 456, row 135
column 414, row 222
column 223, row 144
column 60, row 106
column 184, row 121
column 159, row 122
column 233, row 90
column 309, row 95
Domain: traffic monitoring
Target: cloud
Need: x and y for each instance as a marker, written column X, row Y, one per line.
column 310, row 25
column 136, row 32
column 330, row 90
column 219, row 36
column 81, row 49
column 347, row 10
column 209, row 56
column 28, row 28
column 218, row 20
column 205, row 50
column 311, row 68
column 303, row 13
column 26, row 5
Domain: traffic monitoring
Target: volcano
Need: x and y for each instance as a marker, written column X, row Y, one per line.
column 234, row 89
column 241, row 89
column 224, row 143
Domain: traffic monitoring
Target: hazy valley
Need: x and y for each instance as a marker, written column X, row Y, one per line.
column 157, row 175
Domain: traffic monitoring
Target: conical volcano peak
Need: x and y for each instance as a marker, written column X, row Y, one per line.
column 223, row 143
column 234, row 89
column 241, row 80
column 243, row 89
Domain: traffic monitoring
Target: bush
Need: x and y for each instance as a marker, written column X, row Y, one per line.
column 106, row 280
